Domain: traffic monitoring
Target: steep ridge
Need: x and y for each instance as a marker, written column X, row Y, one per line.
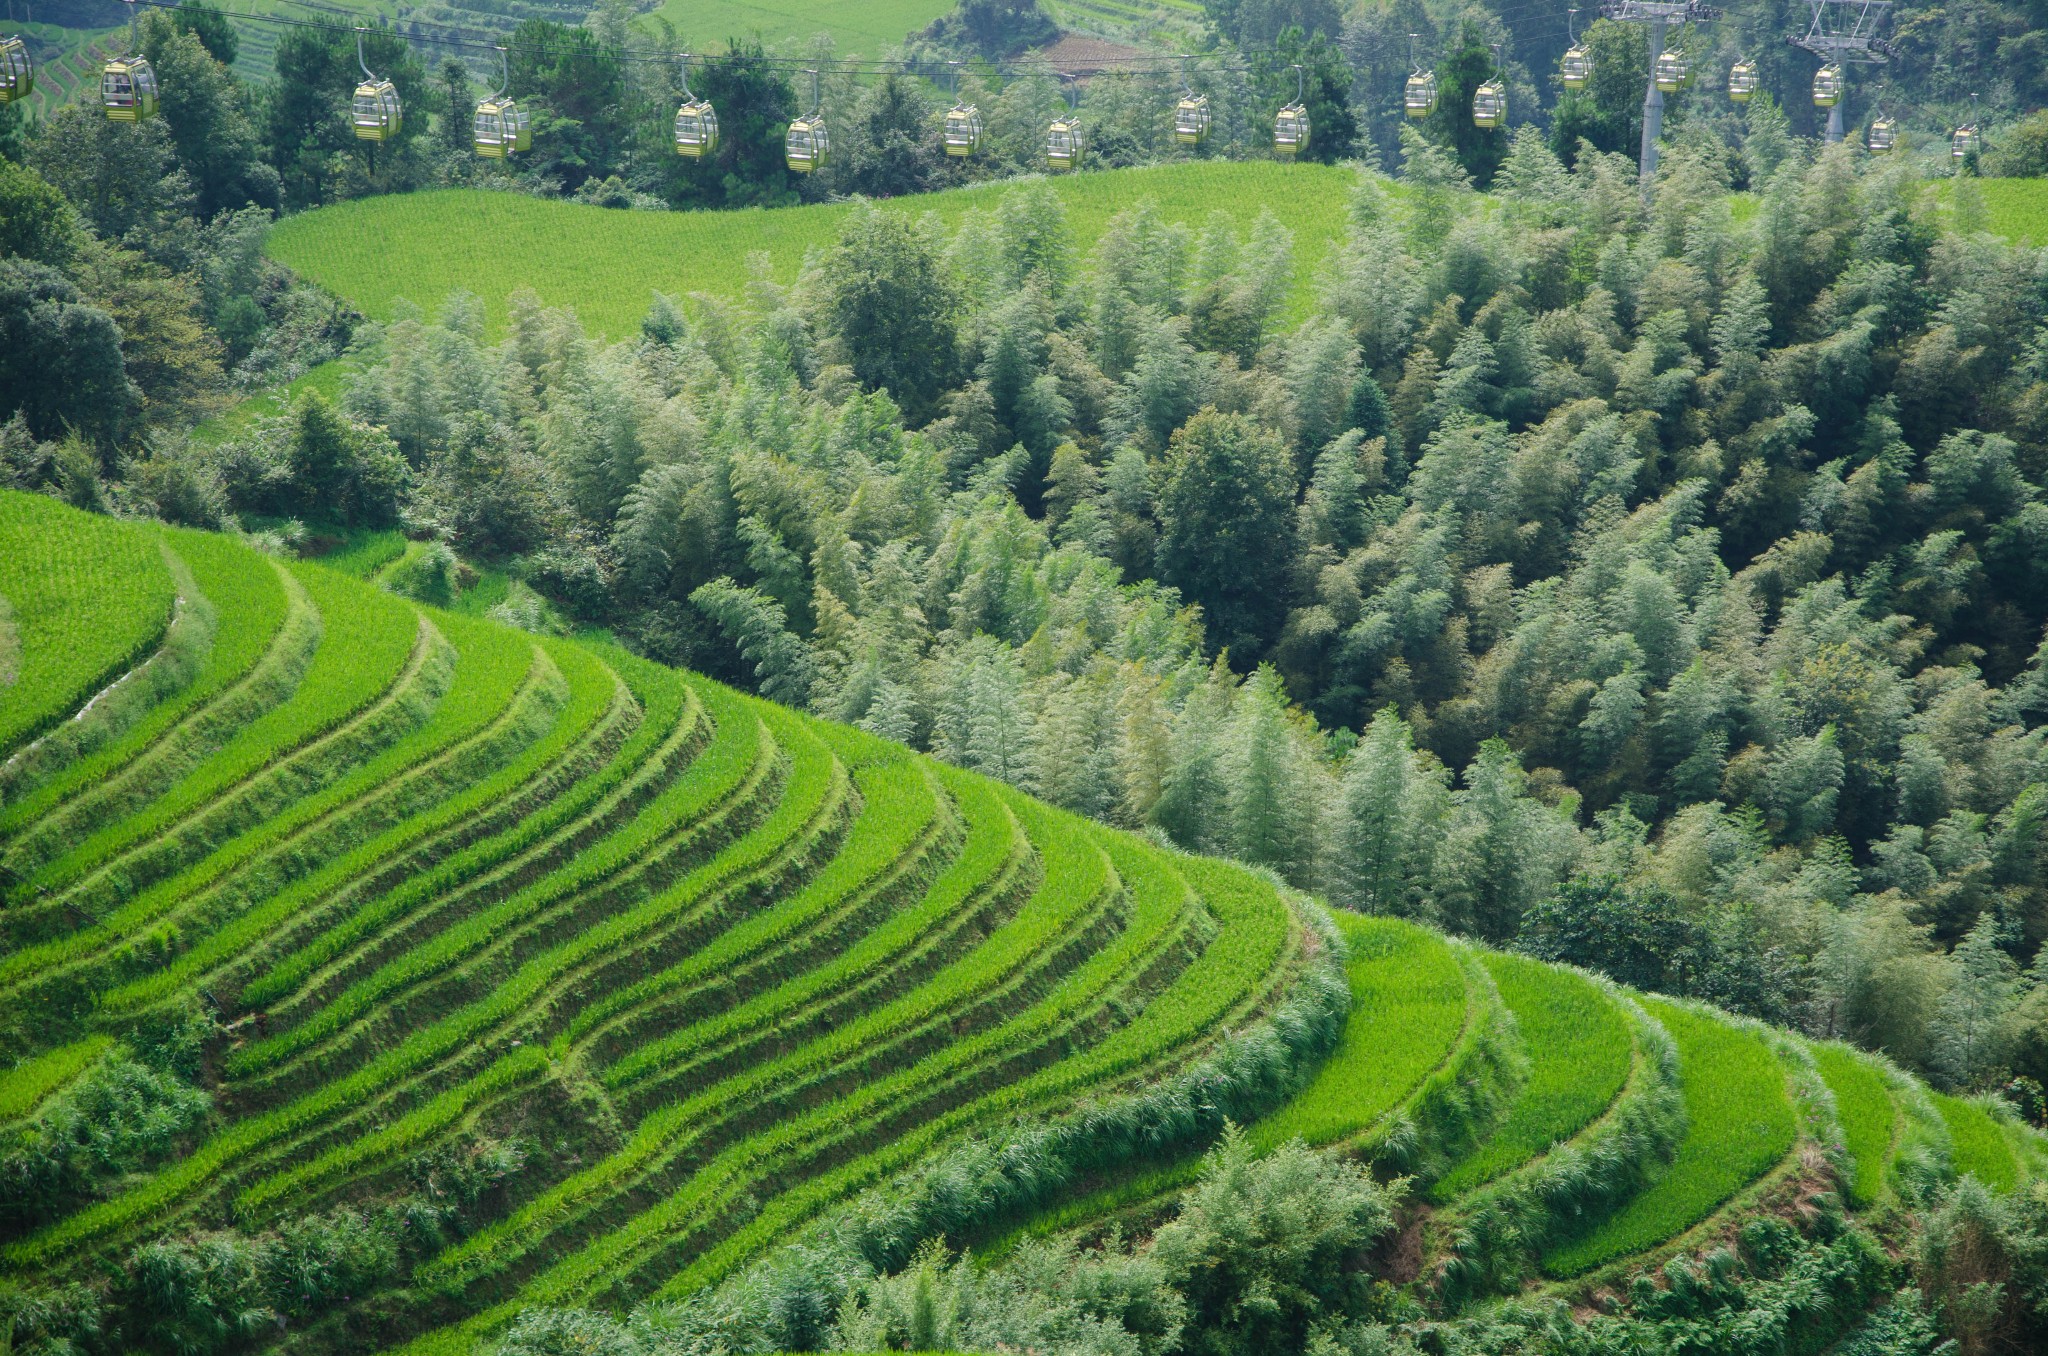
column 419, row 883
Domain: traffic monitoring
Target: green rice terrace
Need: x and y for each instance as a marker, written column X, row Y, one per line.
column 318, row 900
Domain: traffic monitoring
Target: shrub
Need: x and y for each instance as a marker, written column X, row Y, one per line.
column 118, row 1117
column 1265, row 1248
column 430, row 575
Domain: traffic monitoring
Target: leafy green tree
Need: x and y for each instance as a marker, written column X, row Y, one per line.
column 1969, row 1035
column 1467, row 63
column 1607, row 113
column 210, row 25
column 755, row 104
column 122, row 177
column 994, row 29
column 169, row 352
column 47, row 327
column 36, row 221
column 1167, row 382
column 887, row 145
column 981, row 722
column 486, row 491
column 1636, row 933
column 1802, row 785
column 306, row 112
column 1504, row 848
column 1389, row 823
column 1262, row 1249
column 1322, row 376
column 457, row 97
column 1225, row 511
column 207, row 112
column 582, row 104
column 340, row 472
column 1258, row 23
column 1273, row 782
column 1014, row 355
column 890, row 306
column 758, row 627
column 1324, row 85
column 1194, row 789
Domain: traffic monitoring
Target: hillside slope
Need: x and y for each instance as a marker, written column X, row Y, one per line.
column 388, row 972
column 608, row 264
column 590, row 973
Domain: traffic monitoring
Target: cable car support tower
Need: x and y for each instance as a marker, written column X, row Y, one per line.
column 1843, row 33
column 1658, row 14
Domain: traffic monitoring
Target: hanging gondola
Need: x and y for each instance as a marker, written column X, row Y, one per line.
column 1063, row 138
column 1418, row 98
column 1191, row 114
column 375, row 114
column 808, row 146
column 17, row 73
column 963, row 130
column 1672, row 72
column 1577, row 66
column 1828, row 84
column 1884, row 135
column 1743, row 82
column 128, row 83
column 963, row 123
column 696, row 130
column 1490, row 100
column 128, row 89
column 1967, row 141
column 499, row 128
column 1490, row 104
column 1290, row 124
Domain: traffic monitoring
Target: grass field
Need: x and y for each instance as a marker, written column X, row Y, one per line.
column 87, row 601
column 1408, row 1007
column 2018, row 208
column 863, row 27
column 608, row 264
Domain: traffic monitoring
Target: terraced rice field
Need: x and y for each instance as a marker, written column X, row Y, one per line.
column 1868, row 1118
column 438, row 880
column 1978, row 1143
column 436, row 884
column 1740, row 1124
column 1580, row 1052
column 1560, row 1128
